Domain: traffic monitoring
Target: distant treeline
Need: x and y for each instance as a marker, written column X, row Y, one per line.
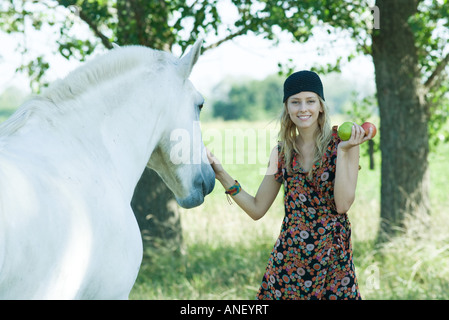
column 250, row 99
column 238, row 99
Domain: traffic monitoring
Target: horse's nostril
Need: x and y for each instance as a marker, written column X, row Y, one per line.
column 210, row 185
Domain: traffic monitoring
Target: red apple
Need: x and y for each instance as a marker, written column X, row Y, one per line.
column 368, row 125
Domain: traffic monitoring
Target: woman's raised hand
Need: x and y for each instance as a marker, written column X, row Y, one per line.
column 357, row 137
column 214, row 162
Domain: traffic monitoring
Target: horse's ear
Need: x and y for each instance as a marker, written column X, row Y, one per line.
column 188, row 61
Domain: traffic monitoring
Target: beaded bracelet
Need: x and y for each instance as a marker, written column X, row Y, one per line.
column 234, row 190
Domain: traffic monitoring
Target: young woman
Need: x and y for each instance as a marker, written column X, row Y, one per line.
column 312, row 258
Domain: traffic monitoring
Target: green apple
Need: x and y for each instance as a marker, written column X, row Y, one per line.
column 344, row 131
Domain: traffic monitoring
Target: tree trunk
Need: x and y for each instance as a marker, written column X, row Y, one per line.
column 404, row 140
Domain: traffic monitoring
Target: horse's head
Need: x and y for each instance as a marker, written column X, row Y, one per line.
column 179, row 157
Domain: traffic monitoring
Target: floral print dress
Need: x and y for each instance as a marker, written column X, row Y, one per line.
column 312, row 258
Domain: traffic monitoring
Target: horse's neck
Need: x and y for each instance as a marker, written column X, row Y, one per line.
column 130, row 136
column 128, row 128
column 110, row 128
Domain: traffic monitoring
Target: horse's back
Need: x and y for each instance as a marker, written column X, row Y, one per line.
column 54, row 219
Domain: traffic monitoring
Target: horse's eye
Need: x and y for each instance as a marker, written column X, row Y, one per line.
column 201, row 106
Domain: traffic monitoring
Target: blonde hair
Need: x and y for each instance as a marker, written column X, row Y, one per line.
column 288, row 134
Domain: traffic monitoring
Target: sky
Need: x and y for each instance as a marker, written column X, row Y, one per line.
column 247, row 56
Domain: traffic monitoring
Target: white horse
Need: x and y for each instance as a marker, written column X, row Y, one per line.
column 69, row 162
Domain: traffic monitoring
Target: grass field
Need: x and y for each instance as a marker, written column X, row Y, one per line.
column 225, row 252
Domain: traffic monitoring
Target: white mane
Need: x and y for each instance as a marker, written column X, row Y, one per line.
column 106, row 67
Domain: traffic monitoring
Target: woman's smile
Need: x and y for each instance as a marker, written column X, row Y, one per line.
column 304, row 117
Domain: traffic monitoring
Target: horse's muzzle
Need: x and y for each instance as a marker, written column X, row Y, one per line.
column 203, row 184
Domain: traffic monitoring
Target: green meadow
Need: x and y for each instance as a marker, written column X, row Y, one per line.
column 224, row 252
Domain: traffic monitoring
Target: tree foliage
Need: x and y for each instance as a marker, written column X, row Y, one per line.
column 157, row 24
